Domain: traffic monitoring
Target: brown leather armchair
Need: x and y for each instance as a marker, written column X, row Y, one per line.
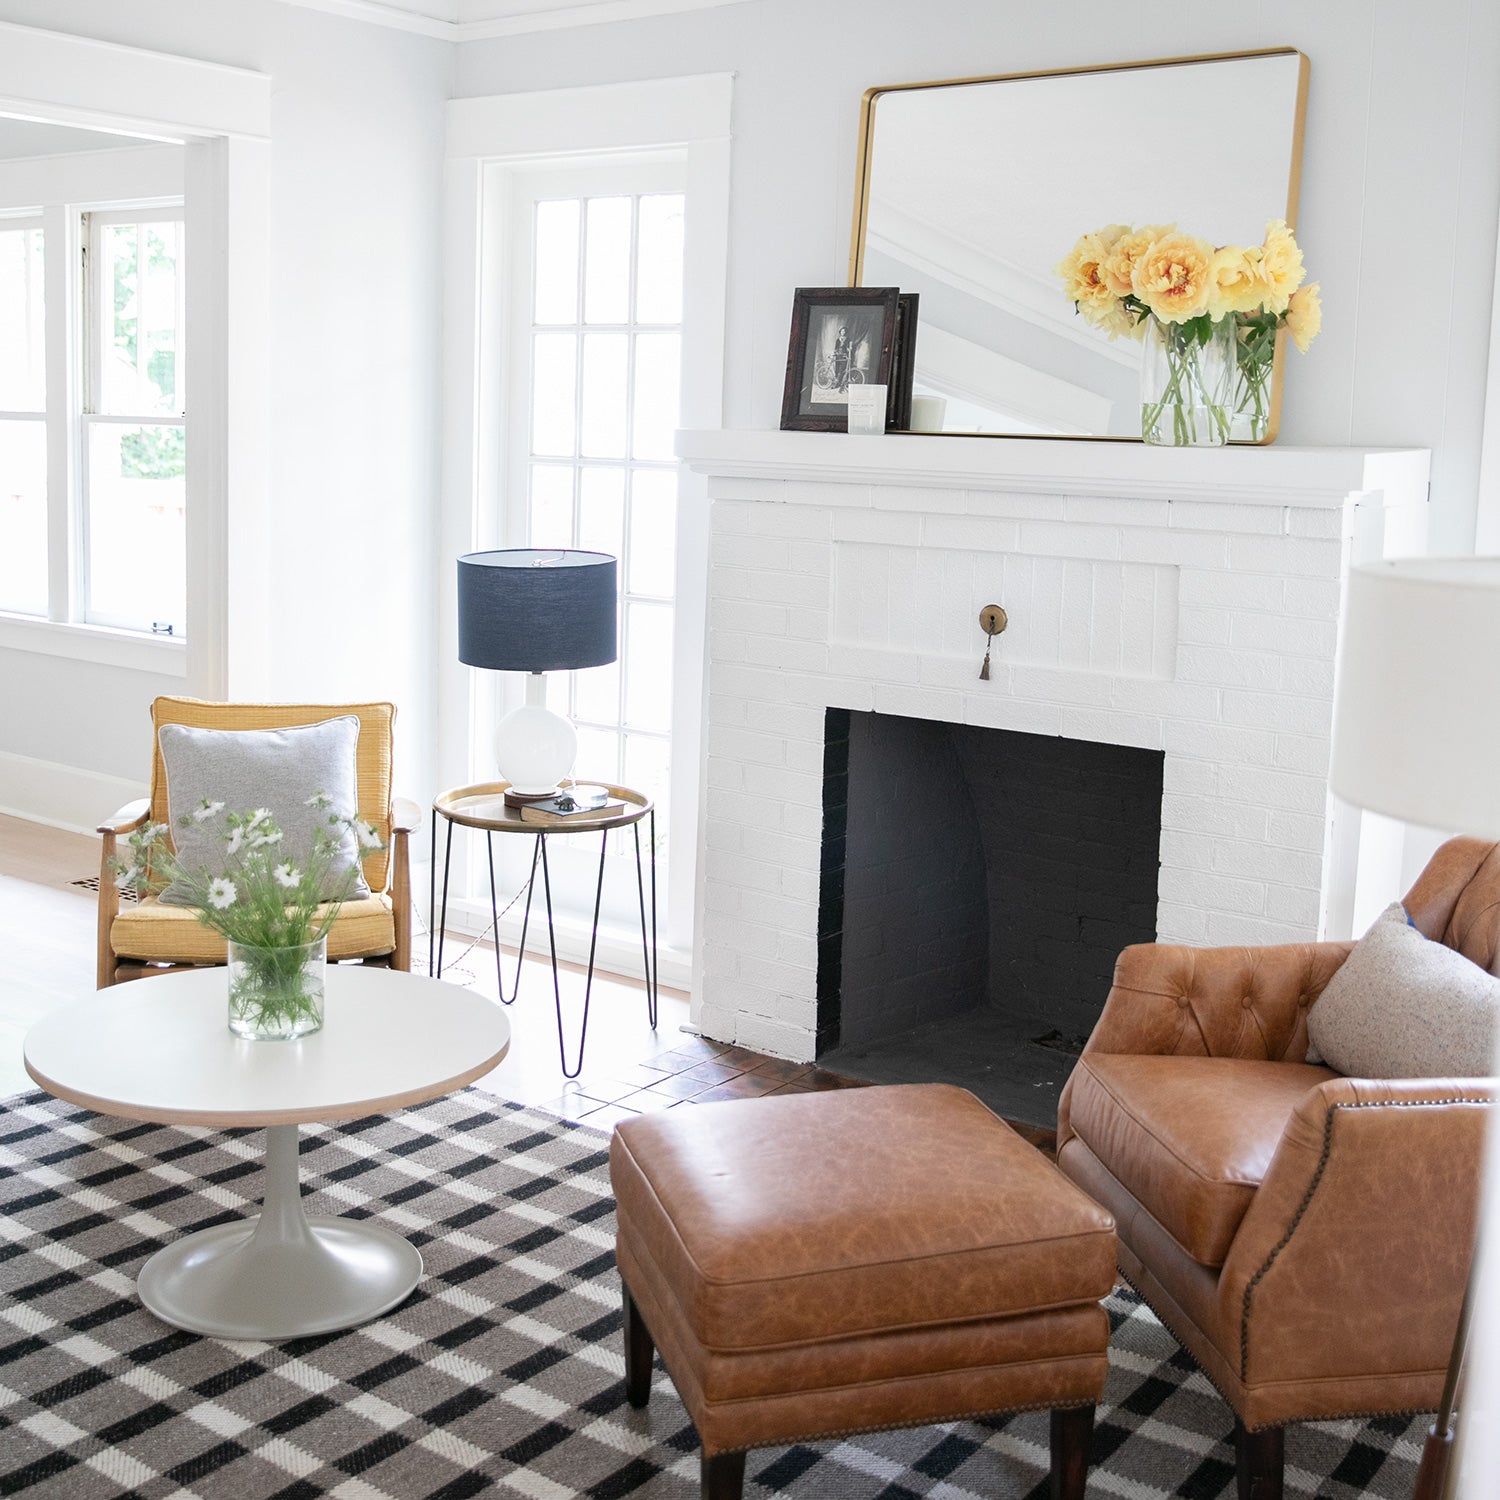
column 1305, row 1236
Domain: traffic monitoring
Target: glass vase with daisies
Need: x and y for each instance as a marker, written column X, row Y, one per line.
column 273, row 909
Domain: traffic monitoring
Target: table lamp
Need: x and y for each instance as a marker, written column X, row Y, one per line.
column 534, row 611
column 1416, row 723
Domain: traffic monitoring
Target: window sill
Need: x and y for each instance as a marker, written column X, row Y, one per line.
column 96, row 643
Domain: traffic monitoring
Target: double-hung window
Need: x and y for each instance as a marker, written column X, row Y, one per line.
column 93, row 472
column 23, row 418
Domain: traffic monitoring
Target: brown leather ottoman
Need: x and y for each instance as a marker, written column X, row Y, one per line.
column 817, row 1265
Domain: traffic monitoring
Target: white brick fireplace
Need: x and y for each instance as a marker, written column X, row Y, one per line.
column 1182, row 601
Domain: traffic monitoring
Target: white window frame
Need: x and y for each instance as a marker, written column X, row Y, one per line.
column 487, row 138
column 222, row 116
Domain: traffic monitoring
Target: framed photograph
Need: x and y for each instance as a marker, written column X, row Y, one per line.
column 841, row 336
column 903, row 362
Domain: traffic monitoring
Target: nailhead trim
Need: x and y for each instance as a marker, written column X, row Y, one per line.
column 962, row 1416
column 1312, row 1188
column 1410, row 1411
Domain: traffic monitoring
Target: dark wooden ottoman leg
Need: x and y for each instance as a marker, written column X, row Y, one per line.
column 1259, row 1462
column 1072, row 1437
column 723, row 1476
column 639, row 1352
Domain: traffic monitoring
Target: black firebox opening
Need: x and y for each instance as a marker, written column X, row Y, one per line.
column 977, row 886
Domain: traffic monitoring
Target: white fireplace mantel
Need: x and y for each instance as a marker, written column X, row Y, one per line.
column 1275, row 475
column 1187, row 601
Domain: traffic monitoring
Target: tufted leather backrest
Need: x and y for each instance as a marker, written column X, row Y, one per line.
column 1456, row 900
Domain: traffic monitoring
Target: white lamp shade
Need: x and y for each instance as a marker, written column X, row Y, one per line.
column 1417, row 709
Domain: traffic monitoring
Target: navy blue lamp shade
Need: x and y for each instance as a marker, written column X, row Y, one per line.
column 528, row 610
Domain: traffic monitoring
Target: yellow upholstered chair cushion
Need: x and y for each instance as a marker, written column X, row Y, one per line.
column 173, row 934
column 372, row 756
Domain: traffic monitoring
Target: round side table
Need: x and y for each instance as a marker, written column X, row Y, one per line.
column 482, row 807
column 161, row 1050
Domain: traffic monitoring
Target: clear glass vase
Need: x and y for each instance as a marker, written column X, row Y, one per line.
column 1187, row 386
column 276, row 993
column 1252, row 404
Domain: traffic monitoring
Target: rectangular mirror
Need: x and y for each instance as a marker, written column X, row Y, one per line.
column 970, row 192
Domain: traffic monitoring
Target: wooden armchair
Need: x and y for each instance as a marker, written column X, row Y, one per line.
column 1305, row 1236
column 141, row 938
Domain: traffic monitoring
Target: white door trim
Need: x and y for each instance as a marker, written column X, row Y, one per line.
column 223, row 116
column 485, row 135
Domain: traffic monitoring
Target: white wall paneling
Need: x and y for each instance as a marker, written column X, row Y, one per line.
column 1402, row 149
column 326, row 201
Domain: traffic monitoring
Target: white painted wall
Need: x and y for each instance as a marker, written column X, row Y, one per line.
column 1400, row 190
column 356, row 177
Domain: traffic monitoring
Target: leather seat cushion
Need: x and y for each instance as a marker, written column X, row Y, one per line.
column 1190, row 1137
column 173, row 934
column 774, row 1222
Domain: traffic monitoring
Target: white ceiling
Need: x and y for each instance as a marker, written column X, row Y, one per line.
column 471, row 20
column 34, row 138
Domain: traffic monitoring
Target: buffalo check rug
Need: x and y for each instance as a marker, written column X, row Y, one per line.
column 502, row 1374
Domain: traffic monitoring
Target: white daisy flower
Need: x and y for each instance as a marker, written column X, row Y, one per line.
column 368, row 837
column 320, row 800
column 207, row 810
column 124, row 879
column 259, row 816
column 285, row 875
column 264, row 837
column 232, row 844
column 221, row 893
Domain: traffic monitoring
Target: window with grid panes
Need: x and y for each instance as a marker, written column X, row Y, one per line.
column 605, row 346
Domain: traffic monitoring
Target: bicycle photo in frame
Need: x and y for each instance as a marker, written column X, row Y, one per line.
column 842, row 336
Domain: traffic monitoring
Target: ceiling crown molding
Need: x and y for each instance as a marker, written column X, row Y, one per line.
column 473, row 20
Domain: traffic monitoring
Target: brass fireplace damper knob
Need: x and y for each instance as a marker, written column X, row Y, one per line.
column 992, row 620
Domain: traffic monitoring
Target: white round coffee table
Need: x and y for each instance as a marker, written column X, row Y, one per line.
column 160, row 1050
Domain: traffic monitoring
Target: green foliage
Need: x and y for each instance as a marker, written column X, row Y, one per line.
column 154, row 453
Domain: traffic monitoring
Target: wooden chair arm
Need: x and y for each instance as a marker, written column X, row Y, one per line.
column 128, row 819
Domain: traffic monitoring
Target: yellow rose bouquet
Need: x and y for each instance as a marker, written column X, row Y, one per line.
column 1208, row 317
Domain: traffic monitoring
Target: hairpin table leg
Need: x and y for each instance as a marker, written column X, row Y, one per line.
column 442, row 930
column 495, row 918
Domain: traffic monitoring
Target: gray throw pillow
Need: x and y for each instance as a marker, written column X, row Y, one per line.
column 246, row 769
column 1402, row 1006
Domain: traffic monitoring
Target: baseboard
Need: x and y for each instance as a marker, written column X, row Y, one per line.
column 68, row 797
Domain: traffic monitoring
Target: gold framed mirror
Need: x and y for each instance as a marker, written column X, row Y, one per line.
column 970, row 191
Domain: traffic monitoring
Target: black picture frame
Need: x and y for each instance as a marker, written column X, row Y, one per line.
column 903, row 365
column 841, row 335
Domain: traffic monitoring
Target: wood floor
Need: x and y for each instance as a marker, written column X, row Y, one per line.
column 47, row 936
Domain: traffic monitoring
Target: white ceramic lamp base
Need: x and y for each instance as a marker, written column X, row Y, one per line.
column 534, row 747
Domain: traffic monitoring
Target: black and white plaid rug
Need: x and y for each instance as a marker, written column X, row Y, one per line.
column 502, row 1374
